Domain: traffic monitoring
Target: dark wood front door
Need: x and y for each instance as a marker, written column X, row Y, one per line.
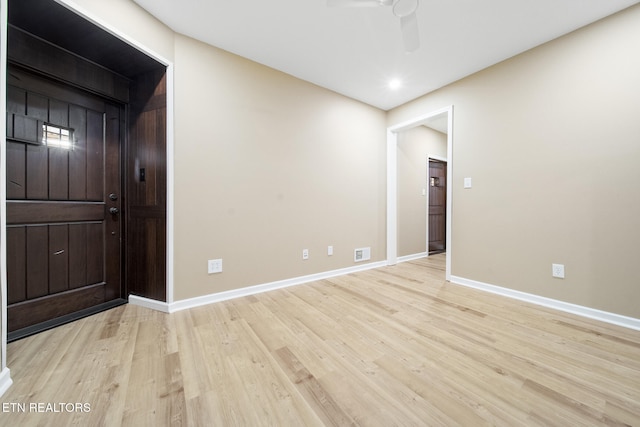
column 437, row 206
column 63, row 201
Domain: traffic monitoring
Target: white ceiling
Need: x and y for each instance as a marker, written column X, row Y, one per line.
column 356, row 51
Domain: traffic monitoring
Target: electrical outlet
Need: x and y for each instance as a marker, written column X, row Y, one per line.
column 557, row 270
column 214, row 266
column 305, row 254
column 329, row 250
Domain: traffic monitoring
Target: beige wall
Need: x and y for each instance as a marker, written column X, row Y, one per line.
column 414, row 147
column 551, row 139
column 265, row 166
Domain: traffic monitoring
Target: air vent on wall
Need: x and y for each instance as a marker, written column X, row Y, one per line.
column 361, row 254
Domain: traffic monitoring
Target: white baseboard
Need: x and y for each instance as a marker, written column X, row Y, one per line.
column 247, row 291
column 5, row 381
column 591, row 313
column 413, row 256
column 149, row 303
column 257, row 289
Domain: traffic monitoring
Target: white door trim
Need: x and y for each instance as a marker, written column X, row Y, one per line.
column 5, row 377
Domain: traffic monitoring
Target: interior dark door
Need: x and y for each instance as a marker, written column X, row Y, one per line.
column 437, row 206
column 63, row 201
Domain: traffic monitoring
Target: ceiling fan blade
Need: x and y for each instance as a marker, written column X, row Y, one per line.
column 358, row 3
column 410, row 34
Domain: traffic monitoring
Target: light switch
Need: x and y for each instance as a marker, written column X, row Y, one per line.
column 467, row 183
column 214, row 266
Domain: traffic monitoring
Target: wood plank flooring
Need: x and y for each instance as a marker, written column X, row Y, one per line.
column 396, row 346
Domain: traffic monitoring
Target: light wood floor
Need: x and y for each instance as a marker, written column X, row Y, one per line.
column 397, row 346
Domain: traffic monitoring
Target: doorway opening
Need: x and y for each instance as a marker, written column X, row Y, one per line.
column 444, row 119
column 95, row 84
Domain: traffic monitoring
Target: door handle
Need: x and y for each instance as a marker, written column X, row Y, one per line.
column 113, row 211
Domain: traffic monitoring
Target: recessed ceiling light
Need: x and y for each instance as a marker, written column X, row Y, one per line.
column 395, row 84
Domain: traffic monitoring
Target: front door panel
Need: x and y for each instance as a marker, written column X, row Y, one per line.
column 437, row 206
column 63, row 162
